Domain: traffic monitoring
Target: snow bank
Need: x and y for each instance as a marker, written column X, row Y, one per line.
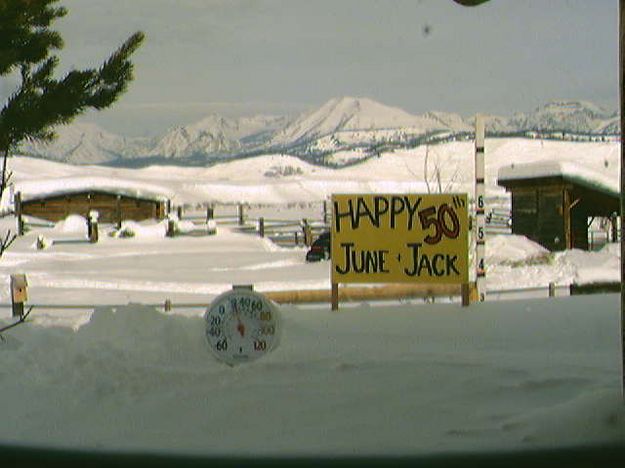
column 133, row 229
column 592, row 267
column 73, row 224
column 386, row 380
column 512, row 248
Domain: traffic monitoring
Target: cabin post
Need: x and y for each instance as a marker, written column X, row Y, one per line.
column 566, row 218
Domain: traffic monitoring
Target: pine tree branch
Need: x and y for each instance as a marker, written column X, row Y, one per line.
column 5, row 177
column 25, row 34
column 6, row 242
column 42, row 102
column 21, row 320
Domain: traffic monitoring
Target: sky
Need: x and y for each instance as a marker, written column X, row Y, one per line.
column 243, row 57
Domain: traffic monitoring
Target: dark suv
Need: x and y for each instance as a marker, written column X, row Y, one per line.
column 320, row 248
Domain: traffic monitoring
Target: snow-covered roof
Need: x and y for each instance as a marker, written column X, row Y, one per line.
column 568, row 171
column 36, row 189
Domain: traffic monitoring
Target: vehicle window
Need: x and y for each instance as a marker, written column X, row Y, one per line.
column 158, row 154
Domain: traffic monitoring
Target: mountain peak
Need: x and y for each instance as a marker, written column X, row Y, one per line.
column 563, row 115
column 345, row 114
column 572, row 106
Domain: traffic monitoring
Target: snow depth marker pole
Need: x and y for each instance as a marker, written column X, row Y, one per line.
column 480, row 219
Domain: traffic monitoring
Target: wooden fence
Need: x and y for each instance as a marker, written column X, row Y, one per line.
column 287, row 232
column 428, row 293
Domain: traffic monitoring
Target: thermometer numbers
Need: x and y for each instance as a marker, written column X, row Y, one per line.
column 241, row 326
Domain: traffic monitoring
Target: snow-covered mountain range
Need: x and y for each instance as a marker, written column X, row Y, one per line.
column 344, row 124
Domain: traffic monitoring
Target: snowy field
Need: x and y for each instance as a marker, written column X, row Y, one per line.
column 401, row 377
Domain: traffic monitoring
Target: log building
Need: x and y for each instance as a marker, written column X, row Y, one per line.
column 553, row 203
column 114, row 201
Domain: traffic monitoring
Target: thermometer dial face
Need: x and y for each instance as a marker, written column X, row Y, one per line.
column 241, row 326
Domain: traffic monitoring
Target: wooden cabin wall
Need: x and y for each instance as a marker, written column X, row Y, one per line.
column 551, row 233
column 110, row 207
column 525, row 212
column 538, row 215
column 554, row 212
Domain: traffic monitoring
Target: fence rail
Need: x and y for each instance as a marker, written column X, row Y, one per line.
column 425, row 292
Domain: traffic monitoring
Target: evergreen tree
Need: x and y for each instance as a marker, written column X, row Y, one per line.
column 40, row 101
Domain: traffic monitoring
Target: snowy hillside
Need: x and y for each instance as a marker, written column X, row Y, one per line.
column 273, row 178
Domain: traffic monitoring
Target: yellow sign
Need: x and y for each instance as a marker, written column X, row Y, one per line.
column 397, row 238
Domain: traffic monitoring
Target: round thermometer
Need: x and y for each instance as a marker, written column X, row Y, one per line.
column 241, row 325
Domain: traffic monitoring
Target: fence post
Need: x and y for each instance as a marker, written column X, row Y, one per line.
column 167, row 305
column 19, row 294
column 307, row 232
column 118, row 210
column 466, row 295
column 17, row 200
column 241, row 214
column 552, row 289
column 179, row 213
column 261, row 226
column 469, row 293
column 210, row 213
column 334, row 296
column 92, row 226
column 171, row 227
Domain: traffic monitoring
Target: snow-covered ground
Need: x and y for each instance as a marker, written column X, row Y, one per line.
column 400, row 377
column 259, row 179
column 389, row 380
